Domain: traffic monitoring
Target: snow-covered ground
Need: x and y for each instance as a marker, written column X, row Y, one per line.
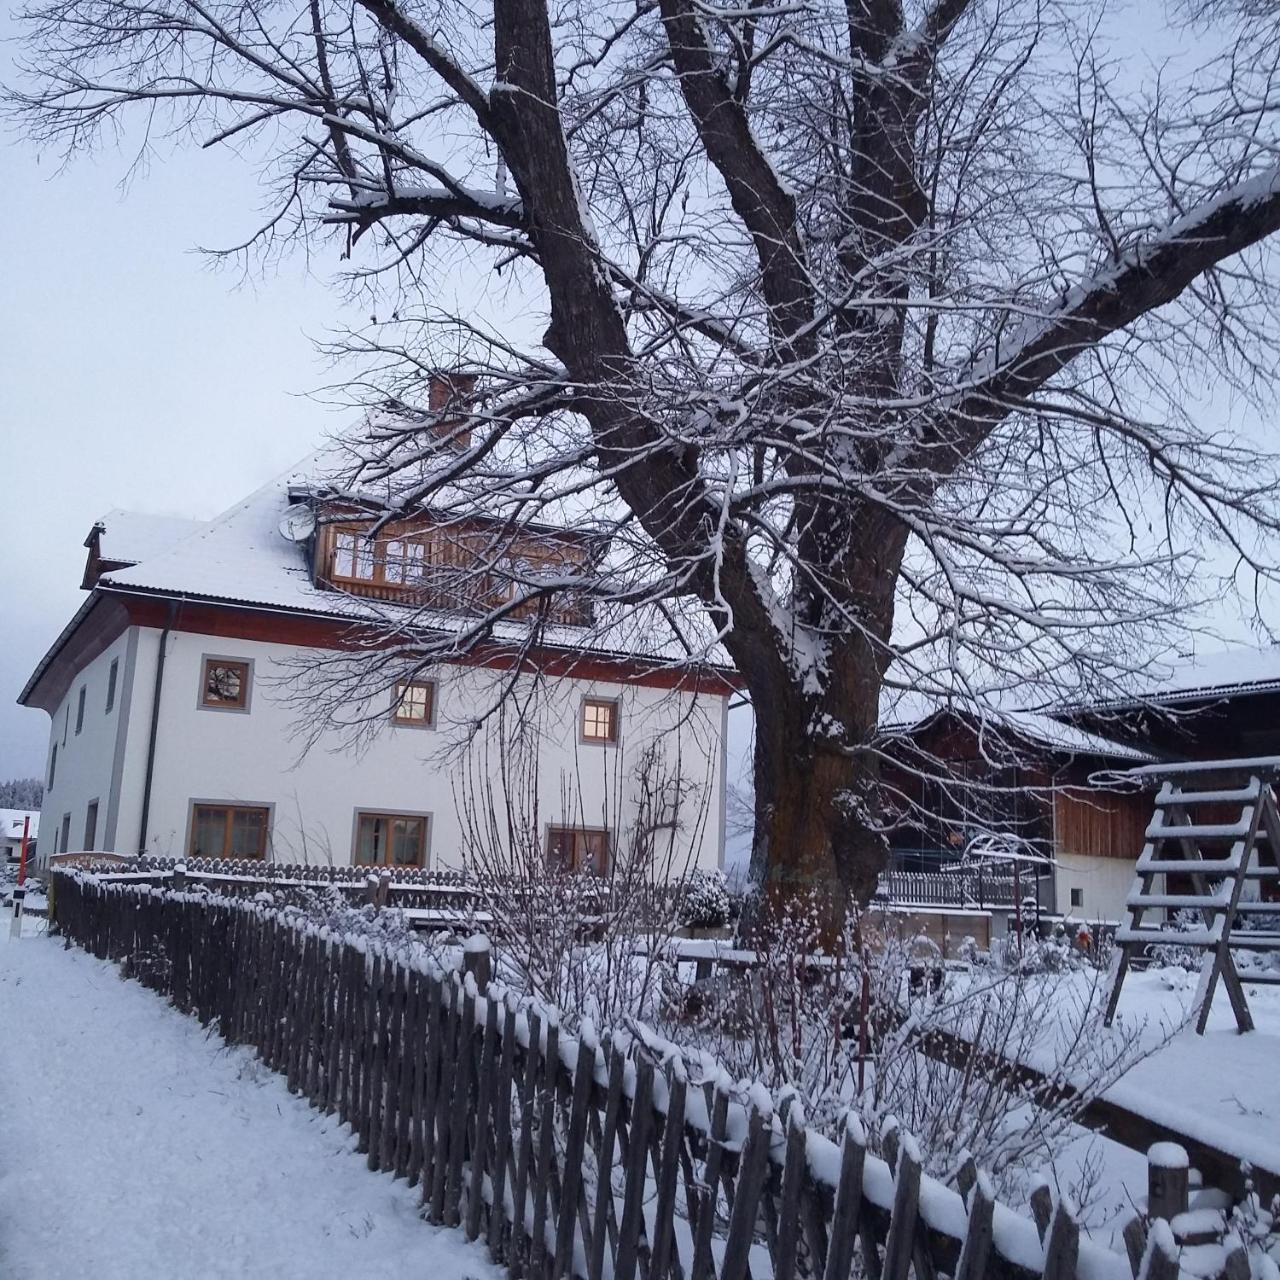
column 134, row 1146
column 1222, row 1087
column 1219, row 1087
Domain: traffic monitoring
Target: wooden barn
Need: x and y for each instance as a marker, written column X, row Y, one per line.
column 958, row 790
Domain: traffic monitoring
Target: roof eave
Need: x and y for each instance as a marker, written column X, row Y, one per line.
column 729, row 674
column 52, row 652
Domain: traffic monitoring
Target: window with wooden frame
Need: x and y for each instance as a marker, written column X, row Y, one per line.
column 415, row 704
column 353, row 556
column 224, row 684
column 229, row 830
column 578, row 850
column 404, row 562
column 599, row 720
column 90, row 825
column 391, row 840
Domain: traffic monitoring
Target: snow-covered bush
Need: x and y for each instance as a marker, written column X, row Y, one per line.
column 706, row 901
column 1171, row 955
column 795, row 1023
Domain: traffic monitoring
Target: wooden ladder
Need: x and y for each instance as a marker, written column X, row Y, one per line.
column 1219, row 858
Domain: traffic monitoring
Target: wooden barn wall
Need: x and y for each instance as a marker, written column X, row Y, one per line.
column 1099, row 823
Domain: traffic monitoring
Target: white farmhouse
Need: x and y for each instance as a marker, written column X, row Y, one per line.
column 175, row 700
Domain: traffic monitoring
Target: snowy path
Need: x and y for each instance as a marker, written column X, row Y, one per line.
column 135, row 1147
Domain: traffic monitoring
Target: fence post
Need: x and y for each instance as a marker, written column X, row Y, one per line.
column 180, row 876
column 371, row 889
column 1167, row 1180
column 477, row 960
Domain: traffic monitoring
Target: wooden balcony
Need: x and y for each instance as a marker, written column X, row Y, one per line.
column 476, row 596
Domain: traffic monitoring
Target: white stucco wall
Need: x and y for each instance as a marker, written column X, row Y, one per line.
column 252, row 758
column 90, row 763
column 1105, row 883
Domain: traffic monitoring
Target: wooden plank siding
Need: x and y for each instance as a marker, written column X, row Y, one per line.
column 1100, row 824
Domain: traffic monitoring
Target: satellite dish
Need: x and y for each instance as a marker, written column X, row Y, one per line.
column 298, row 523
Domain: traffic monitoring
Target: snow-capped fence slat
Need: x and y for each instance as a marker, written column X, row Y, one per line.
column 572, row 1158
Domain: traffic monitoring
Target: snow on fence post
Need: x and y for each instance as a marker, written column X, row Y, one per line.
column 1168, row 1175
column 477, row 960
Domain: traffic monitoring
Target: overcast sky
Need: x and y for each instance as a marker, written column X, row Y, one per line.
column 131, row 376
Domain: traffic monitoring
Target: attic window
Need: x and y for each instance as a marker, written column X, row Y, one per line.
column 404, row 562
column 225, row 685
column 352, row 556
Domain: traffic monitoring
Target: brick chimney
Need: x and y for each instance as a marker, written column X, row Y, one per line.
column 444, row 386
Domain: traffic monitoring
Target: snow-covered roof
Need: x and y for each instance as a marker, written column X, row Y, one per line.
column 11, row 823
column 1044, row 729
column 1242, row 669
column 242, row 557
column 903, row 713
column 128, row 537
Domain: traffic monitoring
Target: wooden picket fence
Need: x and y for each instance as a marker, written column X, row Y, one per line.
column 609, row 1158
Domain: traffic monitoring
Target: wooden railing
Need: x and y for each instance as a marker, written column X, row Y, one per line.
column 457, row 593
column 610, row 1158
column 979, row 887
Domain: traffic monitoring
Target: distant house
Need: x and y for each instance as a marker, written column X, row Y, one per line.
column 952, row 782
column 172, row 733
column 11, row 824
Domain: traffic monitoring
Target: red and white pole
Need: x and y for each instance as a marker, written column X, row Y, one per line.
column 22, row 857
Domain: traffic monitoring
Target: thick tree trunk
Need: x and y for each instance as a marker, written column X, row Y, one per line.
column 816, row 833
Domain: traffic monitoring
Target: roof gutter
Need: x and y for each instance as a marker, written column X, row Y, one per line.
column 174, row 605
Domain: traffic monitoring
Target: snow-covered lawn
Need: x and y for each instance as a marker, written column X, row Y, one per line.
column 135, row 1146
column 1222, row 1087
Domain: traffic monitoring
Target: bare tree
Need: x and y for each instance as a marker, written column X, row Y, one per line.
column 876, row 333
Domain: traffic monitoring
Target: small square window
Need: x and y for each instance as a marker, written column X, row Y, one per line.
column 225, row 686
column 599, row 720
column 415, row 703
column 1077, row 897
